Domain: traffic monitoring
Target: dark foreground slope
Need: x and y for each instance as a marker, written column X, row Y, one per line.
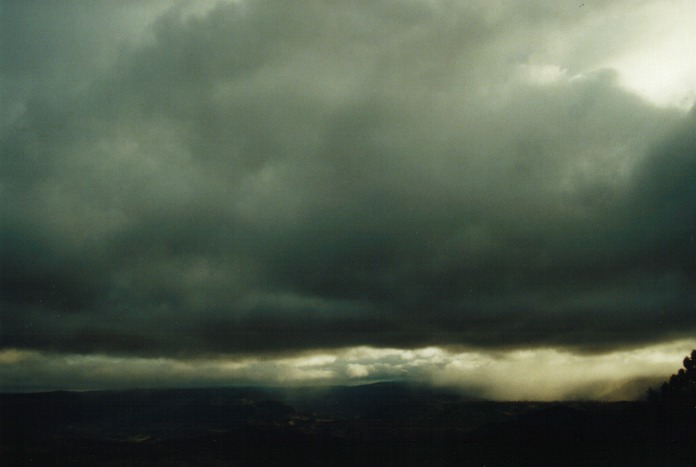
column 382, row 424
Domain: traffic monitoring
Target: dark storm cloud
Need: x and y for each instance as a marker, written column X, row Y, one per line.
column 264, row 177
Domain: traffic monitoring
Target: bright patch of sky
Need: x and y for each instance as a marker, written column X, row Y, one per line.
column 523, row 374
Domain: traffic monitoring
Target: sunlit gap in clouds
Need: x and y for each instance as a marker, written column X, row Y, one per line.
column 522, row 374
column 648, row 46
column 658, row 68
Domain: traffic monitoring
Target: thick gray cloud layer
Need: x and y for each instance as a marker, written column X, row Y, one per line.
column 271, row 177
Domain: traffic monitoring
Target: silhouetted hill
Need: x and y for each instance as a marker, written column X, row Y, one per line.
column 364, row 400
column 377, row 424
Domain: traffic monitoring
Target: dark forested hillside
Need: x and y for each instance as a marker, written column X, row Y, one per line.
column 380, row 424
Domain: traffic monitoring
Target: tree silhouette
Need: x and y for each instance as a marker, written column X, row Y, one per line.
column 681, row 388
column 674, row 408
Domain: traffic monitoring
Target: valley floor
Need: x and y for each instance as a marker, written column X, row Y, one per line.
column 383, row 424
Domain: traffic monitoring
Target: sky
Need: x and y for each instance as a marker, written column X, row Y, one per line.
column 496, row 196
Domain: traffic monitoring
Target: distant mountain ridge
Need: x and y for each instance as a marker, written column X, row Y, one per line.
column 376, row 424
